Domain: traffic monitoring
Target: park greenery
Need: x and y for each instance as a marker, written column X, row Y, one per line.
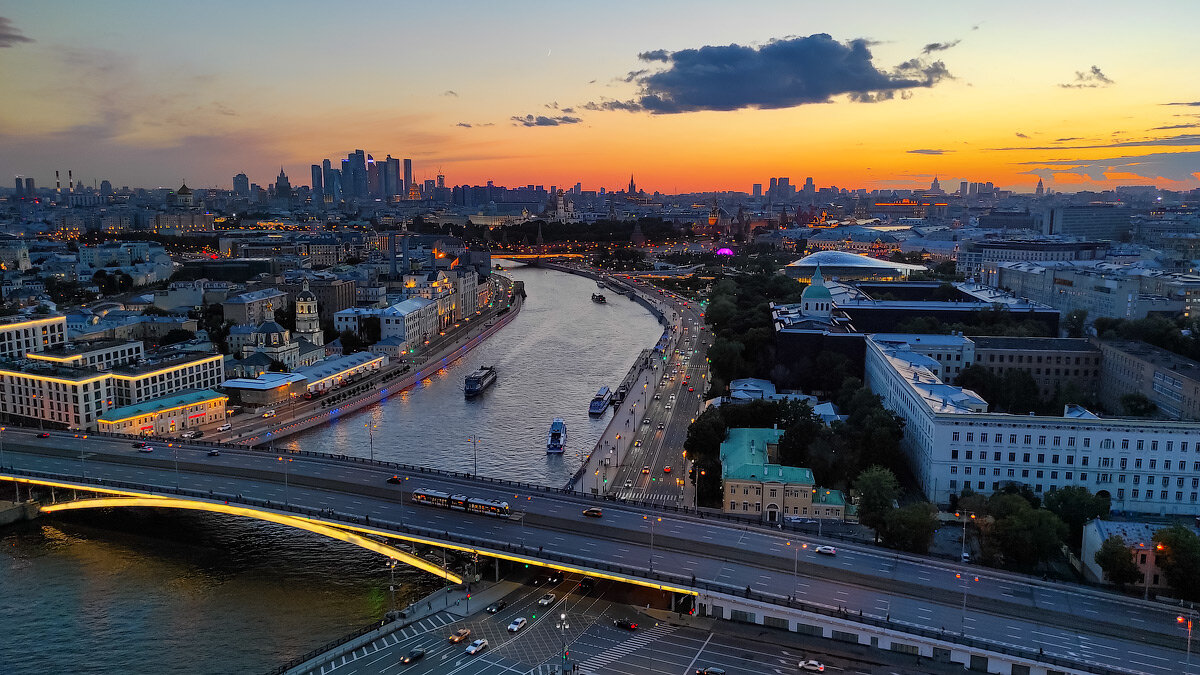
column 1180, row 336
column 995, row 320
column 1115, row 558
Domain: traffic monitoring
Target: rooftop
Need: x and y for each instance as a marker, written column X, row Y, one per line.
column 255, row 296
column 1157, row 356
column 181, row 399
column 334, row 366
column 842, row 259
column 264, row 382
column 744, row 457
column 1136, row 535
column 1034, row 343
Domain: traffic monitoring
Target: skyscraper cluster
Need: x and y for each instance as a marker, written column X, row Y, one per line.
column 361, row 176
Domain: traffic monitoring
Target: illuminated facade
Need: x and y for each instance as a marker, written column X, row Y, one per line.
column 169, row 415
column 22, row 335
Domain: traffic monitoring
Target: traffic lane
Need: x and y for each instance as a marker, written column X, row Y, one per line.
column 766, row 582
column 357, row 505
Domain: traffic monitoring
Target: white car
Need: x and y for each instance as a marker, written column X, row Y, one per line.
column 225, row 427
column 547, row 599
column 628, row 483
column 827, row 550
column 517, row 625
column 477, row 646
column 269, row 413
column 812, row 665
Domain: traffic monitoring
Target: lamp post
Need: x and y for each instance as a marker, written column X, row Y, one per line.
column 2, row 446
column 175, row 451
column 796, row 566
column 1187, row 620
column 963, row 515
column 82, row 466
column 285, row 477
column 652, row 520
column 371, row 436
column 562, row 627
column 474, row 441
column 964, row 578
column 392, row 587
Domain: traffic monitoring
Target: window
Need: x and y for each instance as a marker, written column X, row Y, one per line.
column 1125, row 444
column 1028, row 439
column 1024, row 473
column 1068, row 476
column 1039, row 473
column 1136, row 479
column 1041, row 440
column 1141, row 445
column 772, row 492
column 1137, row 463
column 1153, row 445
column 970, row 437
column 1053, row 475
column 954, row 454
column 983, row 438
column 1012, row 473
column 1025, row 457
column 1124, row 462
column 996, row 456
column 954, row 437
column 1152, row 463
column 1070, row 459
column 1134, row 495
column 970, row 454
column 1070, row 441
column 1012, row 457
column 953, row 469
column 1041, row 458
column 1012, row 438
column 1087, row 442
column 732, row 505
column 1083, row 477
column 953, row 484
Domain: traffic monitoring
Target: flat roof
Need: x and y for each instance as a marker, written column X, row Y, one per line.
column 180, row 399
column 744, row 457
column 1034, row 343
column 1157, row 356
column 264, row 382
column 81, row 347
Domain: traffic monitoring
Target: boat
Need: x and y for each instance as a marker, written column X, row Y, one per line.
column 479, row 380
column 600, row 402
column 557, row 436
column 599, row 298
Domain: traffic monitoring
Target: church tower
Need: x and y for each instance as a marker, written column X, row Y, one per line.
column 816, row 300
column 308, row 323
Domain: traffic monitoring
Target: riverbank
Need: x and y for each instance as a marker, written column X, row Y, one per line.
column 386, row 384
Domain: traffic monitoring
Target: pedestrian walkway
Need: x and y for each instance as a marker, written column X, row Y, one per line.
column 597, row 663
column 653, row 497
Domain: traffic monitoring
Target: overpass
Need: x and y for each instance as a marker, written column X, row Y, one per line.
column 721, row 565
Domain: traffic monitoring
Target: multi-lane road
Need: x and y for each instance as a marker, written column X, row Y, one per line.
column 1016, row 611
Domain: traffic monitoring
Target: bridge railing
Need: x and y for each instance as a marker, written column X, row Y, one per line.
column 538, row 554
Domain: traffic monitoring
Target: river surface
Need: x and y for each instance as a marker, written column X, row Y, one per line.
column 135, row 591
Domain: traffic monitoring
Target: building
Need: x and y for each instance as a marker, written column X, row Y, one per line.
column 169, row 415
column 953, row 442
column 1139, row 537
column 98, row 354
column 268, row 389
column 337, row 371
column 1096, row 223
column 755, row 484
column 845, row 266
column 332, row 294
column 308, row 319
column 973, row 256
column 20, row 335
column 946, row 355
column 1055, row 364
column 1100, row 289
column 254, row 307
column 1169, row 381
column 414, row 320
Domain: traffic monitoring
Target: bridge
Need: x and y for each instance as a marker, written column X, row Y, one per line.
column 712, row 564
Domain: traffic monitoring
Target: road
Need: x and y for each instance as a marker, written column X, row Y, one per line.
column 1017, row 611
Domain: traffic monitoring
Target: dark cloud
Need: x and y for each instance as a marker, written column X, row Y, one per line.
column 568, row 110
column 1021, row 135
column 1179, row 140
column 543, row 121
column 1068, row 138
column 10, row 36
column 1191, row 103
column 465, row 125
column 939, row 46
column 928, row 151
column 1177, row 126
column 1089, row 79
column 783, row 73
column 469, row 125
column 1168, row 165
column 450, row 92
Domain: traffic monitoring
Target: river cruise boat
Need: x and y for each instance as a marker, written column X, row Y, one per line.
column 556, row 438
column 479, row 380
column 600, row 402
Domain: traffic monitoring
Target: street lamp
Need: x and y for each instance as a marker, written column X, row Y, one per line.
column 285, row 477
column 371, row 435
column 796, row 566
column 392, row 588
column 175, row 450
column 562, row 627
column 652, row 521
column 1188, row 621
column 2, row 446
column 961, row 514
column 474, row 441
column 964, row 578
column 82, row 466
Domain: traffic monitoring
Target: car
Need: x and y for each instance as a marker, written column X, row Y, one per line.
column 188, row 434
column 812, row 665
column 593, row 512
column 645, row 420
column 667, row 469
column 661, row 426
column 139, row 445
column 637, row 443
column 966, row 557
column 413, row 656
column 691, row 389
column 827, row 550
column 672, row 397
column 645, row 469
column 586, row 584
column 628, row 483
column 517, row 624
column 214, row 453
column 657, row 397
column 711, row 670
column 225, row 427
column 43, row 435
column 496, row 606
column 145, row 448
column 547, row 599
column 668, row 407
column 554, row 577
column 460, row 635
column 395, row 480
column 269, row 413
column 625, row 623
column 477, row 646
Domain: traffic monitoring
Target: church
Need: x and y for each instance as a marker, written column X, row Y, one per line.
column 262, row 345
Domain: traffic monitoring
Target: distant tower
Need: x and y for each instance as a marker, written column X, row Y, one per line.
column 408, row 178
column 816, row 300
column 283, row 188
column 1041, row 190
column 318, row 183
column 308, row 323
column 632, row 186
column 241, row 185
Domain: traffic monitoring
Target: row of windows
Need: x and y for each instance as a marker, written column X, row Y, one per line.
column 1135, row 493
column 1105, row 444
column 1058, row 360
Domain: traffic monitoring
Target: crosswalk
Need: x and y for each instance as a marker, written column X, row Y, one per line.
column 425, row 625
column 657, row 497
column 597, row 663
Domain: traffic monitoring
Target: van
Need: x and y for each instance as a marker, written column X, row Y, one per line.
column 225, row 427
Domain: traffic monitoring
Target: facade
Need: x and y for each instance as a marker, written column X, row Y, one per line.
column 953, row 442
column 1170, row 381
column 336, row 371
column 947, row 354
column 1139, row 537
column 1100, row 289
column 1053, row 363
column 22, row 335
column 98, row 354
column 168, row 415
column 415, row 320
column 755, row 485
column 254, row 307
column 849, row 266
column 974, row 255
column 157, row 378
column 332, row 294
column 308, row 320
column 1097, row 223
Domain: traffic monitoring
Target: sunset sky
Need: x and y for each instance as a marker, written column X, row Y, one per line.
column 854, row 94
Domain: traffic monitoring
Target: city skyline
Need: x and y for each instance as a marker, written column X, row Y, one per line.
column 873, row 98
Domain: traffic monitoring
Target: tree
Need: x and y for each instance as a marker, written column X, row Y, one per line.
column 286, row 316
column 277, row 366
column 877, row 491
column 1030, row 536
column 351, row 343
column 1179, row 559
column 910, row 528
column 1116, row 559
column 1076, row 505
column 1076, row 323
column 1136, row 404
column 177, row 335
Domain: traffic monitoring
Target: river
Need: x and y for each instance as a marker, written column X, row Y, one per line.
column 145, row 592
